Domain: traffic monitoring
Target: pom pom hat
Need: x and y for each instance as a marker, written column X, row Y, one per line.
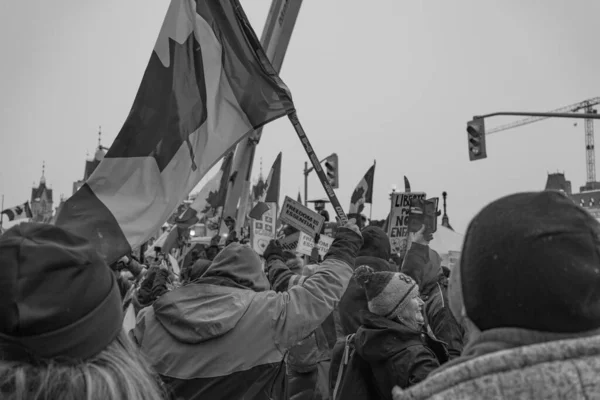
column 388, row 293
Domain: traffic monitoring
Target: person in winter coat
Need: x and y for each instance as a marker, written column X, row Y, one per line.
column 391, row 338
column 225, row 335
column 424, row 265
column 61, row 318
column 527, row 286
column 375, row 253
column 308, row 361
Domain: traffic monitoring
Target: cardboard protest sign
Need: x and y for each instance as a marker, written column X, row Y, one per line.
column 263, row 229
column 306, row 244
column 398, row 224
column 290, row 243
column 300, row 217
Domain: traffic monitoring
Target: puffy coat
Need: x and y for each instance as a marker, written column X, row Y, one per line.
column 225, row 336
column 424, row 266
column 511, row 363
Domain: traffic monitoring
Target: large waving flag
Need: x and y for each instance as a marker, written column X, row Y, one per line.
column 207, row 85
column 363, row 193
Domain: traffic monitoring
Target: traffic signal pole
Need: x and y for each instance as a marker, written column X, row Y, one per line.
column 476, row 128
column 306, row 172
column 541, row 114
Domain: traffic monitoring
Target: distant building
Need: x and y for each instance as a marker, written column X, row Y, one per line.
column 41, row 201
column 91, row 164
column 590, row 199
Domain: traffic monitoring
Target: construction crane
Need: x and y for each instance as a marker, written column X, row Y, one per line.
column 587, row 107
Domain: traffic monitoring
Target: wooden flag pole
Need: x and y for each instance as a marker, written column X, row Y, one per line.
column 317, row 166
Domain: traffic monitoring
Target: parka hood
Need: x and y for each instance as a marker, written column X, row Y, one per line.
column 241, row 265
column 214, row 304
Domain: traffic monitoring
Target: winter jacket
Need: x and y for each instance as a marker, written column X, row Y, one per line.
column 308, row 360
column 424, row 266
column 375, row 253
column 225, row 336
column 510, row 363
column 397, row 354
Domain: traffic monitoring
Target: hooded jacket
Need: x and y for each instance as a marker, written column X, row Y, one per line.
column 510, row 363
column 225, row 336
column 397, row 354
column 424, row 265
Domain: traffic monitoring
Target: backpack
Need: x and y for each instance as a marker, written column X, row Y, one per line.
column 353, row 376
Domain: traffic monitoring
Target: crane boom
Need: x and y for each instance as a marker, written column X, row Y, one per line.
column 572, row 108
column 590, row 152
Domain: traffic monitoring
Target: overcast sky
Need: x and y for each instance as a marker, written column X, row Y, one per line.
column 389, row 80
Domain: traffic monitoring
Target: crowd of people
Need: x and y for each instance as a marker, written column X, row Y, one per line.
column 519, row 317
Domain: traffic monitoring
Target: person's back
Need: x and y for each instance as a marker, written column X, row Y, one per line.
column 224, row 337
column 527, row 287
column 60, row 322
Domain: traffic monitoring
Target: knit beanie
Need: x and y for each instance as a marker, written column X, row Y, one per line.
column 532, row 261
column 58, row 298
column 387, row 292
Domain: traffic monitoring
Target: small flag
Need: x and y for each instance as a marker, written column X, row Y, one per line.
column 406, row 185
column 208, row 84
column 299, row 198
column 270, row 190
column 210, row 200
column 363, row 193
column 21, row 211
column 273, row 182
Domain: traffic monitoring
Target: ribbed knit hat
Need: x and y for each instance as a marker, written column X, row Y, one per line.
column 58, row 298
column 532, row 261
column 387, row 292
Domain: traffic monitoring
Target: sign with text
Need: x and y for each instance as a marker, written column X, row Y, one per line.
column 300, row 217
column 306, row 244
column 398, row 226
column 290, row 243
column 263, row 230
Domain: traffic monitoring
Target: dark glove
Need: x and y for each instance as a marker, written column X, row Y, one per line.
column 274, row 251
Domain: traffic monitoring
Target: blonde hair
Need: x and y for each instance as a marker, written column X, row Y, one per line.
column 119, row 372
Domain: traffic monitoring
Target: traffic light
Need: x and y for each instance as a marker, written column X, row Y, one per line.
column 331, row 170
column 476, row 136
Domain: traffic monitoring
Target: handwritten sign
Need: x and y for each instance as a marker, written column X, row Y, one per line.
column 300, row 217
column 398, row 226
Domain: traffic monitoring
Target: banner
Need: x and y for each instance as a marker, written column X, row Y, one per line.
column 306, row 244
column 263, row 230
column 398, row 225
column 300, row 217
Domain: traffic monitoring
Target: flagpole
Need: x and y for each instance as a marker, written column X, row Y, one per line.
column 317, row 166
column 2, row 215
column 372, row 191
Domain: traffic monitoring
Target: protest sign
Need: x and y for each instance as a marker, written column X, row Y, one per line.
column 290, row 243
column 300, row 217
column 398, row 224
column 263, row 229
column 306, row 244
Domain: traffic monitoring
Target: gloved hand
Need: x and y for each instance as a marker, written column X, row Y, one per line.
column 351, row 224
column 274, row 251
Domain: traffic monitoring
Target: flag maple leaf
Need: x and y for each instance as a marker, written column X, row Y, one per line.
column 358, row 197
